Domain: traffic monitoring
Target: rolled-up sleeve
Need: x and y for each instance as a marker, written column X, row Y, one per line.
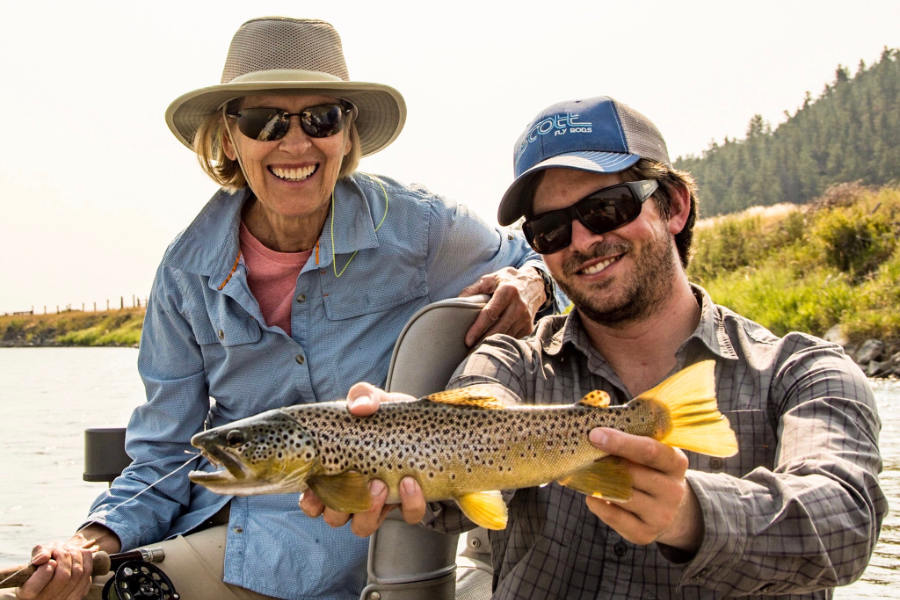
column 158, row 435
column 462, row 247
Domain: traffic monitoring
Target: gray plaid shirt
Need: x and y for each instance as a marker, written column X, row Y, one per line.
column 796, row 511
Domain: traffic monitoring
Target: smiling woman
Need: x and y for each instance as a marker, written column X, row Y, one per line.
column 291, row 284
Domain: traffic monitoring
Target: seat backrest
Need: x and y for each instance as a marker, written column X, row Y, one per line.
column 407, row 562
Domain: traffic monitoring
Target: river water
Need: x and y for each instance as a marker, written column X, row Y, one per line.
column 48, row 396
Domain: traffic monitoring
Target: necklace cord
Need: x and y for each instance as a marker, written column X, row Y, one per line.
column 377, row 227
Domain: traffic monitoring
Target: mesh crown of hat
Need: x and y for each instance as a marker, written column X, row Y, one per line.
column 281, row 43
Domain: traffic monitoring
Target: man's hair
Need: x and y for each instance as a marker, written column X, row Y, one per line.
column 668, row 179
column 210, row 149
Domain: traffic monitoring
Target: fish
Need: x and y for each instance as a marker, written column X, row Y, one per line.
column 461, row 445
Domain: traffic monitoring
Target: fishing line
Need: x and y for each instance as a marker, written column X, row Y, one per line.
column 127, row 500
column 155, row 483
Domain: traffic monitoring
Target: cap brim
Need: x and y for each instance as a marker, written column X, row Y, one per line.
column 513, row 205
column 382, row 110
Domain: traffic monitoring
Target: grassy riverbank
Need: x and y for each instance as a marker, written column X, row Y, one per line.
column 835, row 262
column 73, row 328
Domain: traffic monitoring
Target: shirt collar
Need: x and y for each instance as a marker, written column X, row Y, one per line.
column 210, row 245
column 710, row 331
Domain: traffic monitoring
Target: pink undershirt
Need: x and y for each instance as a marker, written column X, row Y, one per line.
column 272, row 277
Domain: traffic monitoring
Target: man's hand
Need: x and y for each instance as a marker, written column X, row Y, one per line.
column 663, row 507
column 516, row 297
column 363, row 400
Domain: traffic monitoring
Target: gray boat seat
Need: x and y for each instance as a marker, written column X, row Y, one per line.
column 408, row 562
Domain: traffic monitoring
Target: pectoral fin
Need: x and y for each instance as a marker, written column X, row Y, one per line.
column 347, row 492
column 606, row 478
column 485, row 509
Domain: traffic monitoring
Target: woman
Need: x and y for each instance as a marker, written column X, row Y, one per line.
column 291, row 284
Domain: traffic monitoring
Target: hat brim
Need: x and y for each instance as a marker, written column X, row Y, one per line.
column 382, row 110
column 513, row 205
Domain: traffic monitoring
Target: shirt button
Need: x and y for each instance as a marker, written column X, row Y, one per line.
column 221, row 335
column 301, row 298
column 238, row 529
column 620, row 549
column 715, row 463
column 300, row 359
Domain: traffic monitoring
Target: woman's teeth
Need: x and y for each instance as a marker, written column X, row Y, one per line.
column 599, row 266
column 293, row 174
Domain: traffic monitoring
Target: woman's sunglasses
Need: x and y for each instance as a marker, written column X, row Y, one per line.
column 601, row 212
column 270, row 124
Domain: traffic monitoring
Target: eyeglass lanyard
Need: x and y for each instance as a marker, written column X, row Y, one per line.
column 377, row 227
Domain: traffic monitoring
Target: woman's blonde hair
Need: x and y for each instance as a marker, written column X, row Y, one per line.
column 210, row 148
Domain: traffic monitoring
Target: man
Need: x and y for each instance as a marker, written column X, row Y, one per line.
column 796, row 511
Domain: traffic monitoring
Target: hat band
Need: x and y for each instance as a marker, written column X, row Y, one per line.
column 284, row 75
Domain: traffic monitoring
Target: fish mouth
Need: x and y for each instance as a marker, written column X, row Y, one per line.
column 234, row 471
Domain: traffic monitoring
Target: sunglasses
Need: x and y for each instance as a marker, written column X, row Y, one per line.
column 270, row 124
column 600, row 212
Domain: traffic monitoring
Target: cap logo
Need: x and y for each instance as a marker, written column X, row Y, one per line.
column 558, row 124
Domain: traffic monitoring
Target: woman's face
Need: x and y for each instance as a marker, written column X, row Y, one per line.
column 293, row 177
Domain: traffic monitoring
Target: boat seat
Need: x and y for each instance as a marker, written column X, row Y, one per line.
column 409, row 562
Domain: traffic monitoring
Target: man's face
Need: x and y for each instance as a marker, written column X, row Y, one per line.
column 617, row 277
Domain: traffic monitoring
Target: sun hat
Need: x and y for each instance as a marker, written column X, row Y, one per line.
column 598, row 134
column 271, row 54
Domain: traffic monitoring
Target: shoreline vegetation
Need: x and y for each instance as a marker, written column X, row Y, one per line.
column 830, row 268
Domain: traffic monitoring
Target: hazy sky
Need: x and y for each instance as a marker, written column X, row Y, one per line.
column 94, row 185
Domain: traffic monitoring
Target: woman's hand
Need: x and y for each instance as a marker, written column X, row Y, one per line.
column 63, row 569
column 516, row 297
column 363, row 400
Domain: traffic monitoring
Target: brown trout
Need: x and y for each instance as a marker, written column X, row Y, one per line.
column 460, row 444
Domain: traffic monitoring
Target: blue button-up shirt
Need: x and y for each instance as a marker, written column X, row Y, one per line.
column 208, row 356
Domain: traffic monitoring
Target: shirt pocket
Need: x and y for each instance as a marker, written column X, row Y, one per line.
column 227, row 325
column 373, row 286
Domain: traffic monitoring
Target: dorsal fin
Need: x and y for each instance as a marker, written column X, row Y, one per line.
column 477, row 396
column 597, row 399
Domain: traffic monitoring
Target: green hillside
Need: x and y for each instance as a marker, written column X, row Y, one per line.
column 807, row 268
column 849, row 133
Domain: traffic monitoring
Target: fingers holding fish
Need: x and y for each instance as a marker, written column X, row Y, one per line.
column 662, row 507
column 363, row 398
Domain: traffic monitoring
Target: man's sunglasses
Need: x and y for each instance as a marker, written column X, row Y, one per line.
column 270, row 124
column 600, row 212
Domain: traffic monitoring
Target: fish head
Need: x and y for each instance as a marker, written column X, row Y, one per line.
column 269, row 453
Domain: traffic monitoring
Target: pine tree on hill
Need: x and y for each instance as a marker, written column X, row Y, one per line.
column 848, row 133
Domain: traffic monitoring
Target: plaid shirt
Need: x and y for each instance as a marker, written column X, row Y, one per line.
column 796, row 511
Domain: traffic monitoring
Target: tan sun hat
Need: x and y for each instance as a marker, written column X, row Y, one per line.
column 281, row 54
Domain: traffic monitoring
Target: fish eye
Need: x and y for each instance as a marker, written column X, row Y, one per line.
column 234, row 437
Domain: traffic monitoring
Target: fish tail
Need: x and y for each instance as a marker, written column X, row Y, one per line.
column 695, row 423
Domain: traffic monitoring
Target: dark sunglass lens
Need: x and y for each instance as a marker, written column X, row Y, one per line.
column 609, row 209
column 263, row 124
column 322, row 121
column 549, row 232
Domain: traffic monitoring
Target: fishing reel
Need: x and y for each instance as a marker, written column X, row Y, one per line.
column 139, row 580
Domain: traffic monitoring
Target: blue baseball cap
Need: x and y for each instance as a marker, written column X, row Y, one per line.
column 592, row 134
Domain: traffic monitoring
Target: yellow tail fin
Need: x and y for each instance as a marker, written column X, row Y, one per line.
column 689, row 397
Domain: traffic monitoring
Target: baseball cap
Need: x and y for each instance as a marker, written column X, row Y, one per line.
column 598, row 134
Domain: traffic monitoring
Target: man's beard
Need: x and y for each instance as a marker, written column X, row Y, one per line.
column 646, row 288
